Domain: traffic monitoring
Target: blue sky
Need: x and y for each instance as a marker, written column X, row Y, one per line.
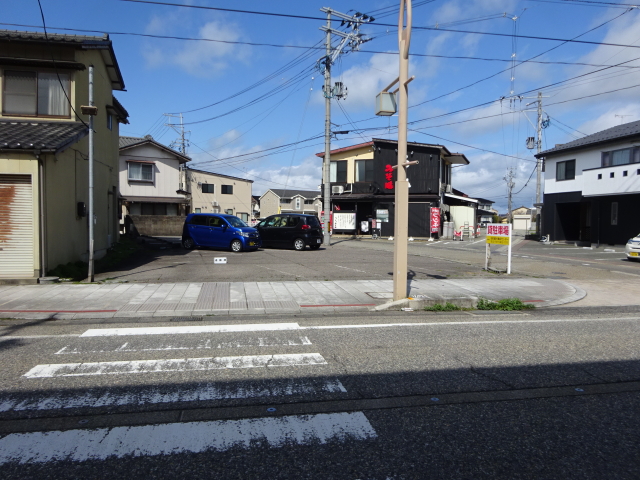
column 285, row 104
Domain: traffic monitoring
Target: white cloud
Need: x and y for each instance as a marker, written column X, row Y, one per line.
column 198, row 58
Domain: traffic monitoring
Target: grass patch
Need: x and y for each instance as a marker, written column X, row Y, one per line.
column 447, row 307
column 504, row 304
column 121, row 251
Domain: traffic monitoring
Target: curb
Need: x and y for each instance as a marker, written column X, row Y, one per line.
column 419, row 303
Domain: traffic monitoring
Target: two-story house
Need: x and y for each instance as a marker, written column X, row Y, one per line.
column 279, row 200
column 363, row 181
column 217, row 193
column 44, row 151
column 151, row 191
column 485, row 212
column 592, row 187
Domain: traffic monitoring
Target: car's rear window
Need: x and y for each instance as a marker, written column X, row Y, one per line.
column 313, row 221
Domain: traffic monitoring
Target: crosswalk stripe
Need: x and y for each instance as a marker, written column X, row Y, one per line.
column 260, row 327
column 200, row 393
column 174, row 365
column 207, row 344
column 176, row 438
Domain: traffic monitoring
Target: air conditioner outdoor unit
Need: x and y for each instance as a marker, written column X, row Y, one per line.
column 447, row 188
column 337, row 190
column 215, row 204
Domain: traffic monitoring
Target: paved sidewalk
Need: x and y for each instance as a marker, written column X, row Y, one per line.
column 225, row 298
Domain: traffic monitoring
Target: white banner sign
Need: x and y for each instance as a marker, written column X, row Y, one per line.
column 344, row 221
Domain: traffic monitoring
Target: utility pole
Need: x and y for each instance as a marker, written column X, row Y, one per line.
column 91, row 111
column 510, row 185
column 181, row 143
column 401, row 214
column 352, row 40
column 539, row 165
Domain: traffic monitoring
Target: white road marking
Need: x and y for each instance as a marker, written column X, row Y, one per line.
column 199, row 393
column 176, row 438
column 348, row 268
column 27, row 337
column 174, row 365
column 205, row 345
column 625, row 273
column 259, row 327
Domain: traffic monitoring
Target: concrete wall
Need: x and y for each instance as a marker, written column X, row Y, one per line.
column 157, row 225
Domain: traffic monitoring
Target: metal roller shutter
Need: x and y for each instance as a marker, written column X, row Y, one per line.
column 16, row 226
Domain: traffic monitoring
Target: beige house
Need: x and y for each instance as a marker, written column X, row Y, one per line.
column 278, row 200
column 216, row 193
column 44, row 150
column 150, row 178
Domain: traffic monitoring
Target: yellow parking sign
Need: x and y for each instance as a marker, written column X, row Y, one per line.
column 498, row 240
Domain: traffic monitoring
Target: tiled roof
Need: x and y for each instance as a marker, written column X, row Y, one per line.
column 43, row 136
column 614, row 133
column 287, row 193
column 53, row 37
column 128, row 142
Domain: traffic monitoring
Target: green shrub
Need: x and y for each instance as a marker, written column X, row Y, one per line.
column 447, row 307
column 504, row 304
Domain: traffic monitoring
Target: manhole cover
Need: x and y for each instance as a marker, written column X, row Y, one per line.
column 187, row 319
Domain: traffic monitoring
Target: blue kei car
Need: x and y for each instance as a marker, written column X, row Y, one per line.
column 217, row 230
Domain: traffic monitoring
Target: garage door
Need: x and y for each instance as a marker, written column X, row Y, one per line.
column 520, row 224
column 16, row 226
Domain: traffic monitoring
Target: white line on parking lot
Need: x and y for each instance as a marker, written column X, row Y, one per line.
column 176, row 438
column 174, row 365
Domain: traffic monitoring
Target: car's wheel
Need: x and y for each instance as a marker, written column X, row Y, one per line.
column 298, row 244
column 314, row 247
column 188, row 243
column 236, row 246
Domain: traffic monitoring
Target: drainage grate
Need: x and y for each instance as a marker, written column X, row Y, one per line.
column 187, row 319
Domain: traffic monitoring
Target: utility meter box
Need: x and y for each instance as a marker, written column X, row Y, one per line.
column 386, row 104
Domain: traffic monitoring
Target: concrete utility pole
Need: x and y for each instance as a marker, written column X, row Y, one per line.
column 181, row 143
column 326, row 167
column 91, row 214
column 510, row 184
column 539, row 165
column 353, row 40
column 401, row 215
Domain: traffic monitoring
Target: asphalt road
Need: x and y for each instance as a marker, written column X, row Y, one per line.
column 543, row 394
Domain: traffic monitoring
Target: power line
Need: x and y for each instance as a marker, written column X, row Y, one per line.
column 307, row 17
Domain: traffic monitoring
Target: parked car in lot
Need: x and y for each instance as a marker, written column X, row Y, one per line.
column 632, row 248
column 293, row 230
column 217, row 230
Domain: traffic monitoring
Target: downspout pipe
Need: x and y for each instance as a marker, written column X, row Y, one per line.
column 42, row 217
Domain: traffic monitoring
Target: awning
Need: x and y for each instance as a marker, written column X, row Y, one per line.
column 458, row 159
column 155, row 199
column 463, row 199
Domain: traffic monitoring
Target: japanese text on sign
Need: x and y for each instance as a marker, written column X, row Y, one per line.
column 498, row 230
column 435, row 220
column 388, row 176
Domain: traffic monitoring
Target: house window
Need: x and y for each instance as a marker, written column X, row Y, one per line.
column 109, row 121
column 244, row 217
column 614, row 213
column 364, row 170
column 229, row 211
column 285, row 201
column 625, row 173
column 338, row 171
column 566, row 170
column 612, row 174
column 198, row 210
column 227, row 189
column 207, row 188
column 621, row 157
column 141, row 172
column 35, row 94
column 599, row 176
column 298, row 203
column 308, row 202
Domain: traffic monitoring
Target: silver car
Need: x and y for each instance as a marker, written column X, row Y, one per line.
column 632, row 248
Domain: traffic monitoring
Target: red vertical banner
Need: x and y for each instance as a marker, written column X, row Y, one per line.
column 435, row 220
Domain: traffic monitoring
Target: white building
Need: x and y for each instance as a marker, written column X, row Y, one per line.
column 592, row 187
